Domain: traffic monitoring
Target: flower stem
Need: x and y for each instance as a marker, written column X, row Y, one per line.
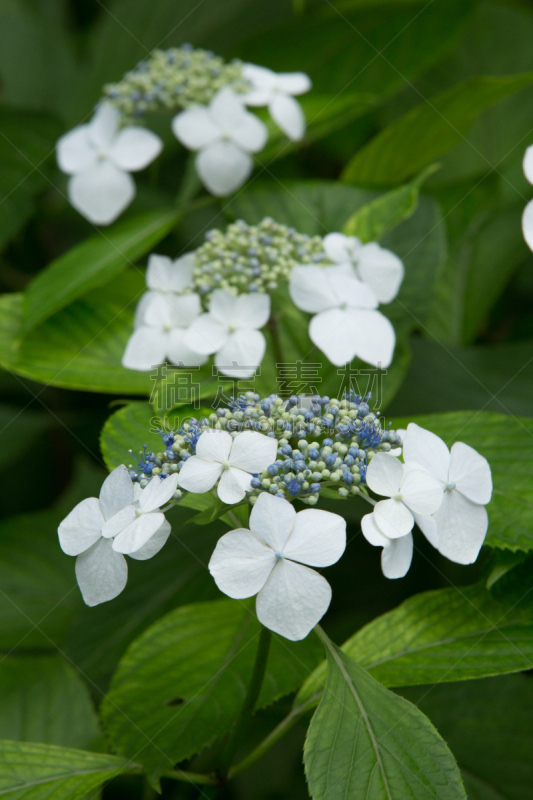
column 191, row 777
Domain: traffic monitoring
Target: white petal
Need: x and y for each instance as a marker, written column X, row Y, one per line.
column 528, row 163
column 75, row 152
column 116, row 492
column 171, row 310
column 233, row 485
column 170, row 276
column 138, row 533
column 293, row 82
column 215, row 445
column 242, row 127
column 241, row 563
column 242, row 353
column 426, row 449
column 153, row 545
column 393, row 518
column 330, row 332
column 158, row 492
column 310, row 289
column 223, row 167
column 250, row 133
column 396, row 557
column 372, row 533
column 195, row 128
column 318, row 538
column 348, row 289
column 101, row 573
column 461, row 527
column 293, row 600
column 527, row 224
column 471, row 473
column 373, row 337
column 252, row 451
column 288, row 115
column 428, row 526
column 119, row 521
column 142, row 307
column 205, row 335
column 272, row 519
column 134, row 148
column 103, row 126
column 101, row 193
column 382, row 270
column 384, row 474
column 199, row 475
column 82, row 527
column 180, row 353
column 223, row 306
column 261, row 78
column 421, row 492
column 341, row 248
column 252, row 310
column 146, row 348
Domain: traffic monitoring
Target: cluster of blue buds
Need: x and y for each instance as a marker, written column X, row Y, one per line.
column 323, row 443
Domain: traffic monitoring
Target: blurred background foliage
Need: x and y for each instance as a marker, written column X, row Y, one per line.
column 398, row 85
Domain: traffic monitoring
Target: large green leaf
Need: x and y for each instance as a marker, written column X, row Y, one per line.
column 26, row 145
column 45, row 700
column 430, row 129
column 94, row 263
column 365, row 741
column 196, row 663
column 41, row 771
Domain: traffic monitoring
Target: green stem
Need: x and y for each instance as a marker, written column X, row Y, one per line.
column 234, row 518
column 191, row 777
column 250, row 701
column 274, row 736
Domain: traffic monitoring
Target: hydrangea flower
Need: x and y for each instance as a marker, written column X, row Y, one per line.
column 101, row 571
column 233, row 460
column 459, row 526
column 397, row 553
column 277, row 90
column 346, row 324
column 99, row 156
column 527, row 216
column 379, row 268
column 230, row 330
column 272, row 560
column 225, row 134
column 161, row 325
column 165, row 275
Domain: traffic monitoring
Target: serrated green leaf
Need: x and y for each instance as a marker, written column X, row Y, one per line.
column 94, row 263
column 40, row 771
column 365, row 741
column 196, row 663
column 428, row 131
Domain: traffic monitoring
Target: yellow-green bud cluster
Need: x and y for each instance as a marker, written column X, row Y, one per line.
column 173, row 80
column 253, row 258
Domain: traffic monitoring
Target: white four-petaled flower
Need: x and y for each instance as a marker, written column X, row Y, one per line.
column 225, row 134
column 233, row 460
column 459, row 525
column 277, row 90
column 230, row 329
column 99, row 156
column 272, row 560
column 379, row 268
column 346, row 324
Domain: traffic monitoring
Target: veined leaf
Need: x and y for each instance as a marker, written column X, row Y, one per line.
column 365, row 741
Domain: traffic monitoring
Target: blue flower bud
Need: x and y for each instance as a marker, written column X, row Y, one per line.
column 266, row 408
column 330, row 459
column 347, row 478
column 255, row 483
column 286, row 450
column 315, row 487
column 313, row 454
column 325, row 400
column 328, row 443
column 272, row 470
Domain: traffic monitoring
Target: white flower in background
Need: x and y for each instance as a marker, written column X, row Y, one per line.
column 277, row 90
column 101, row 572
column 396, row 555
column 379, row 268
column 268, row 560
column 161, row 324
column 99, row 156
column 233, row 460
column 527, row 216
column 230, row 329
column 165, row 275
column 225, row 134
column 346, row 322
column 459, row 526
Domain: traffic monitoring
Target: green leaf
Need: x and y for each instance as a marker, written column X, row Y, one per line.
column 443, row 635
column 40, row 771
column 94, row 263
column 45, row 700
column 26, row 145
column 488, row 727
column 196, row 663
column 364, row 741
column 20, row 430
column 374, row 220
column 429, row 130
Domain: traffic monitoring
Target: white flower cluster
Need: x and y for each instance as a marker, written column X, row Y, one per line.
column 338, row 279
column 443, row 492
column 214, row 123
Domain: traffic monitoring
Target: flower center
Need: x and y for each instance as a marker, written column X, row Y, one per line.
column 226, row 465
column 232, row 328
column 398, row 497
column 138, row 512
column 279, row 556
column 449, row 487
